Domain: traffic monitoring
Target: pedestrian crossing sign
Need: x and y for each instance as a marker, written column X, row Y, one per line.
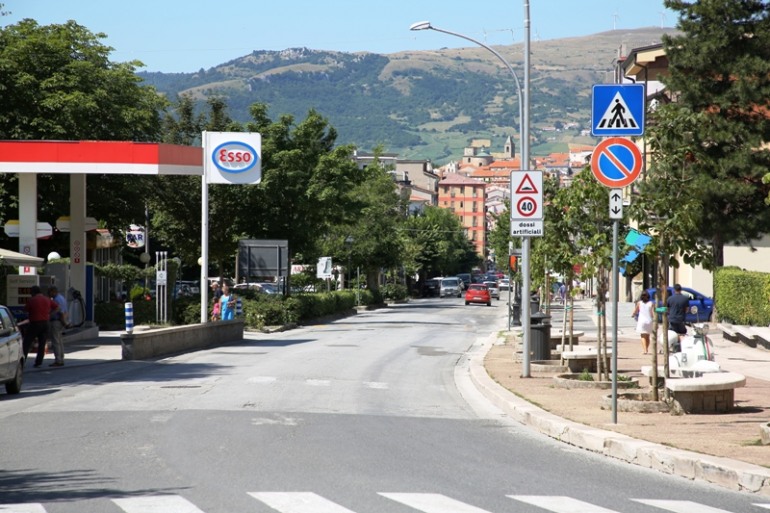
column 617, row 110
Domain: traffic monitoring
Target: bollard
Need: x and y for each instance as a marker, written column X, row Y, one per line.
column 129, row 318
column 238, row 307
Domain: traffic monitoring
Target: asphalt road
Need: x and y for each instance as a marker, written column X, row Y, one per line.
column 368, row 414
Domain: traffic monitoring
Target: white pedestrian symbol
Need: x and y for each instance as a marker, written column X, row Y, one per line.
column 617, row 115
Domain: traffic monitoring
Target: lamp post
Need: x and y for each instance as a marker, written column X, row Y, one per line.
column 349, row 244
column 523, row 94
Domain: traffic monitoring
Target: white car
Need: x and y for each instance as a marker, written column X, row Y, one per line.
column 504, row 285
column 494, row 290
column 450, row 287
column 11, row 352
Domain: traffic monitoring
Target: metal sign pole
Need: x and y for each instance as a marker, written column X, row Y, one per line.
column 615, row 297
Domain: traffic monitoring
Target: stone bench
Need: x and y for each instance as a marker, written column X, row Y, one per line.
column 713, row 392
column 556, row 338
column 581, row 359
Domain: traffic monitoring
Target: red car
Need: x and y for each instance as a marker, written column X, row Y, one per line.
column 478, row 293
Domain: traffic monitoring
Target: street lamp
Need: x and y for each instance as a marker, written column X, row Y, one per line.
column 425, row 25
column 349, row 244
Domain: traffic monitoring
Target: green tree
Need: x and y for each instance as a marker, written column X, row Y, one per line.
column 58, row 83
column 729, row 98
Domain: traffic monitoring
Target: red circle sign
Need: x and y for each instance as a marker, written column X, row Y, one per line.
column 616, row 162
column 526, row 206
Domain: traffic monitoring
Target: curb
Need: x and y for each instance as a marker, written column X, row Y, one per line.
column 723, row 472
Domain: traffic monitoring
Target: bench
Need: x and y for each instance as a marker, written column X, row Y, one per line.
column 582, row 358
column 713, row 392
column 556, row 338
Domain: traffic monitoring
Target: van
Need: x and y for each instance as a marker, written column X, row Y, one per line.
column 450, row 287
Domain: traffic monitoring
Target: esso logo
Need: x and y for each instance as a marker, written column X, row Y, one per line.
column 234, row 157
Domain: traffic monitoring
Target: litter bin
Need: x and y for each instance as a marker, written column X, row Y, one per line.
column 540, row 336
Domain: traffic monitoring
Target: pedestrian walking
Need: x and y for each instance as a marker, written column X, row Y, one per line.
column 39, row 309
column 677, row 305
column 643, row 314
column 58, row 321
column 227, row 303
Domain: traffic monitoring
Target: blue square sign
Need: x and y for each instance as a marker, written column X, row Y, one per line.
column 617, row 110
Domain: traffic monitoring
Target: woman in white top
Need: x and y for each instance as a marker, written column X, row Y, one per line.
column 643, row 315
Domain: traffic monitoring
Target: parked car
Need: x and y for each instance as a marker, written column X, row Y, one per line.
column 494, row 290
column 431, row 287
column 701, row 306
column 466, row 279
column 11, row 352
column 504, row 285
column 450, row 287
column 478, row 293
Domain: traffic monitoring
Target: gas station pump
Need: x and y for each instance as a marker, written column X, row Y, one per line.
column 79, row 305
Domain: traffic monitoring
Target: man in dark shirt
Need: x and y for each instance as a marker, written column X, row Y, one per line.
column 39, row 308
column 677, row 304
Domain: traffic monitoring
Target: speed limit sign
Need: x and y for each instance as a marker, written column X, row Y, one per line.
column 527, row 195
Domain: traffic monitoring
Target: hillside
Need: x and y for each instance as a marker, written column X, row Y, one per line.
column 421, row 104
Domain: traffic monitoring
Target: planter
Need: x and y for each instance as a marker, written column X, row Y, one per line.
column 572, row 380
column 764, row 432
column 548, row 367
column 638, row 402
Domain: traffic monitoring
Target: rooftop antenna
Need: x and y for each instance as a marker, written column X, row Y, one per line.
column 615, row 20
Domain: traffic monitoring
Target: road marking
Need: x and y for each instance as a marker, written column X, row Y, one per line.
column 261, row 379
column 432, row 503
column 376, row 384
column 765, row 506
column 157, row 504
column 561, row 504
column 680, row 506
column 318, row 382
column 22, row 508
column 298, row 502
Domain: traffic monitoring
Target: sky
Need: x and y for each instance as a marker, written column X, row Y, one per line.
column 187, row 35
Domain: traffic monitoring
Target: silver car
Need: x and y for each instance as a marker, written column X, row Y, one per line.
column 450, row 287
column 11, row 352
column 494, row 290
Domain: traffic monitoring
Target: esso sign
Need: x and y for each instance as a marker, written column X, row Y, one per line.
column 234, row 157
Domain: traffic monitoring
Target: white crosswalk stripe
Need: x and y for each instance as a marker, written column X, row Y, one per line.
column 22, row 508
column 298, row 502
column 156, row 504
column 432, row 503
column 309, row 502
column 559, row 504
column 680, row 506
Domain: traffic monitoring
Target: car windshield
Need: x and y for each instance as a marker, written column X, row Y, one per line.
column 449, row 282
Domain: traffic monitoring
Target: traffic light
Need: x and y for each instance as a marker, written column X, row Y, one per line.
column 512, row 263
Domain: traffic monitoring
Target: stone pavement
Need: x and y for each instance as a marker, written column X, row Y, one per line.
column 722, row 449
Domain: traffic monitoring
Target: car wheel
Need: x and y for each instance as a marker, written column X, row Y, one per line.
column 467, row 303
column 14, row 386
column 489, row 304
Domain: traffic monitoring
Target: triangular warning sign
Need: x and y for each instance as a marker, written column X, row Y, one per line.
column 526, row 186
column 617, row 115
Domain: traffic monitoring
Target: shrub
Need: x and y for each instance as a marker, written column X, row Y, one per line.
column 394, row 291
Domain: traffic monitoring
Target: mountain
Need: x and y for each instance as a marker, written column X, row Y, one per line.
column 422, row 104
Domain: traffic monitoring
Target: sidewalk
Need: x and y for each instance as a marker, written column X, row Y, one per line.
column 722, row 449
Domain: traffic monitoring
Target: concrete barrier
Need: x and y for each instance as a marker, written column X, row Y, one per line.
column 179, row 339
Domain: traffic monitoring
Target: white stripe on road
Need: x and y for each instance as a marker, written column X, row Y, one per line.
column 432, row 503
column 298, row 502
column 261, row 379
column 765, row 506
column 680, row 506
column 561, row 504
column 157, row 504
column 318, row 382
column 22, row 508
column 376, row 385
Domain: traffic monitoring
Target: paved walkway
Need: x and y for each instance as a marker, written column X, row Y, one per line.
column 720, row 449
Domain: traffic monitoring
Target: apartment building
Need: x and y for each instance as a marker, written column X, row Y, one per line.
column 466, row 197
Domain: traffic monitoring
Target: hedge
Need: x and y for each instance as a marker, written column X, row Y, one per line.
column 742, row 297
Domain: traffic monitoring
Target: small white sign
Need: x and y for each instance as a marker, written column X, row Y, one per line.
column 616, row 203
column 160, row 278
column 324, row 268
column 527, row 228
